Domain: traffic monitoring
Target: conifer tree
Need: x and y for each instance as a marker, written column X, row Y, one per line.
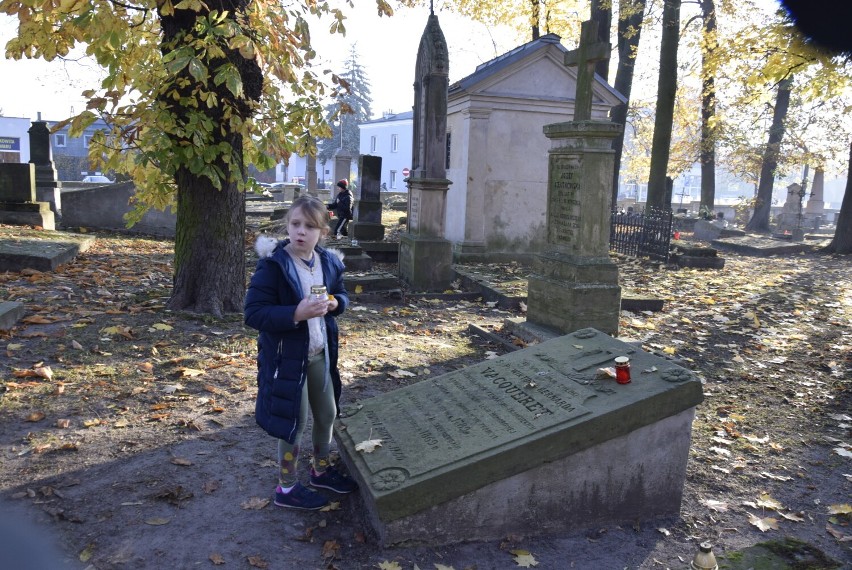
column 352, row 107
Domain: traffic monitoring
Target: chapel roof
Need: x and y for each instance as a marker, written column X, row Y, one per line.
column 501, row 62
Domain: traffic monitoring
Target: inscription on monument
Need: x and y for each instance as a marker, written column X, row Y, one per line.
column 413, row 212
column 563, row 219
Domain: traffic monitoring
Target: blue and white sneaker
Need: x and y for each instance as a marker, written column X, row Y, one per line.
column 300, row 497
column 333, row 480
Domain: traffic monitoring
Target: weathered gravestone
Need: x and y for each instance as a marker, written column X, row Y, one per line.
column 368, row 212
column 530, row 443
column 574, row 283
column 48, row 188
column 18, row 205
column 789, row 222
column 425, row 255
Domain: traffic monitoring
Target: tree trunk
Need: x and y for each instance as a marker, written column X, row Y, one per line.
column 209, row 263
column 210, row 260
column 763, row 204
column 666, row 90
column 601, row 12
column 842, row 241
column 707, row 155
column 630, row 15
column 535, row 18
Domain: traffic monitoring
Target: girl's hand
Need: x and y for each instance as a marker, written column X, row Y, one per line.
column 332, row 303
column 310, row 307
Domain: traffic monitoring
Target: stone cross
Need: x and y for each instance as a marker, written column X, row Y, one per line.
column 585, row 57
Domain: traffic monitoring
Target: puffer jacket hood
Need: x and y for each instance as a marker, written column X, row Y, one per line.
column 265, row 246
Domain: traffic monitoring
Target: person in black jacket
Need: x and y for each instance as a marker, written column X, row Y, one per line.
column 298, row 349
column 342, row 207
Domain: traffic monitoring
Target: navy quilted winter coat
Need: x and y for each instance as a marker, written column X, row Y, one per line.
column 282, row 345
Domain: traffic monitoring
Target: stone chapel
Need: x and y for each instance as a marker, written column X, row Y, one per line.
column 497, row 152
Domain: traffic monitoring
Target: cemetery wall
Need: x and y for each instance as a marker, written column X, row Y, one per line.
column 104, row 208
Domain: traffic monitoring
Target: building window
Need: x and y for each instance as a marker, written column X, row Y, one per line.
column 394, row 143
column 372, row 144
column 86, row 140
column 59, row 139
column 393, row 178
column 449, row 139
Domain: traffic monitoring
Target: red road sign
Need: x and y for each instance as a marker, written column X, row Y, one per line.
column 406, row 172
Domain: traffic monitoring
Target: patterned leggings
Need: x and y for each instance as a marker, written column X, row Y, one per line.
column 323, row 410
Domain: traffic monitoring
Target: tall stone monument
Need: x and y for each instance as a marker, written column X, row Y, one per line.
column 425, row 256
column 48, row 189
column 368, row 212
column 574, row 283
column 311, row 174
column 816, row 206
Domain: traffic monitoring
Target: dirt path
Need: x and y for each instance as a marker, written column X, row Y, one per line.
column 138, row 448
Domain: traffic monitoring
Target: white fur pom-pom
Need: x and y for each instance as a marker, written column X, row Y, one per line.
column 265, row 245
column 336, row 252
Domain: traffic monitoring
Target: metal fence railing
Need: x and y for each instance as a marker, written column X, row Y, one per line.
column 646, row 234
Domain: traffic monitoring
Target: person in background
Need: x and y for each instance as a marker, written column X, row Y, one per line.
column 342, row 207
column 297, row 349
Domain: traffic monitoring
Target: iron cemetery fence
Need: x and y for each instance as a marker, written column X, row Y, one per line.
column 647, row 234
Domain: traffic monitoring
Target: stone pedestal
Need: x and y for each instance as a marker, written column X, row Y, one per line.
column 574, row 283
column 29, row 214
column 425, row 257
column 18, row 205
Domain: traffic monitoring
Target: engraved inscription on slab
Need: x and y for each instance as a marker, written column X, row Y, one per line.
column 563, row 219
column 497, row 418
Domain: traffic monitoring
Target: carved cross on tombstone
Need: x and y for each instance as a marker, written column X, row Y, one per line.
column 585, row 57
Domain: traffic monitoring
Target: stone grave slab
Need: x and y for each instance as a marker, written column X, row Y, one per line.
column 761, row 246
column 41, row 253
column 375, row 281
column 530, row 443
column 10, row 313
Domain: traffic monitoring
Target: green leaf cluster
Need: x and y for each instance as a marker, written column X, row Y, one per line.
column 188, row 88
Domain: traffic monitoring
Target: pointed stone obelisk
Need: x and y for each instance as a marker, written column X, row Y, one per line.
column 425, row 256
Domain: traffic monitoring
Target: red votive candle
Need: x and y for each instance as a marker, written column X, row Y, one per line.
column 622, row 370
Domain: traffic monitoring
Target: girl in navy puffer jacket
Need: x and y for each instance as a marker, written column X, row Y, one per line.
column 297, row 349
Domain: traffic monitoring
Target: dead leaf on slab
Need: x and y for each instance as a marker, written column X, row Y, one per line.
column 368, row 445
column 217, row 559
column 389, row 565
column 181, row 461
column 764, row 524
column 524, row 559
column 330, row 549
column 34, row 417
column 837, row 534
column 718, row 506
column 255, row 504
column 844, row 509
column 257, row 562
column 158, row 521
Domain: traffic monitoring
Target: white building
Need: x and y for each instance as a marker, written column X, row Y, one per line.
column 15, row 139
column 496, row 149
column 391, row 138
